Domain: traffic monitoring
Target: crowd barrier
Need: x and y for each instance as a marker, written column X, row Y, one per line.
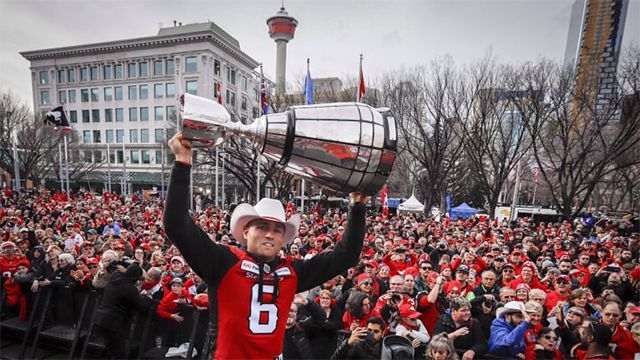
column 61, row 322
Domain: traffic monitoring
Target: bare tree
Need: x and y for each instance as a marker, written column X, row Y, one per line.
column 576, row 143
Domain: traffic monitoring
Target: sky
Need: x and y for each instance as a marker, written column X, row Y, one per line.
column 391, row 34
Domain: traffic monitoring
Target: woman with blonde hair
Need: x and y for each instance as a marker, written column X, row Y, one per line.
column 441, row 348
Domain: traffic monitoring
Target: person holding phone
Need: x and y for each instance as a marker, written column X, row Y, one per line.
column 363, row 342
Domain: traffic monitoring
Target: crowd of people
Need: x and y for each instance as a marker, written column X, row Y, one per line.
column 454, row 289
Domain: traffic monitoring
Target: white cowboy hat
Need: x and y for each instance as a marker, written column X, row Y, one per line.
column 510, row 308
column 269, row 209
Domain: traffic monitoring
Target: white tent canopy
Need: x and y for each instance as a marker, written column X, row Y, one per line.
column 412, row 204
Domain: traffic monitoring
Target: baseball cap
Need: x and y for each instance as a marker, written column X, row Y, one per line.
column 463, row 268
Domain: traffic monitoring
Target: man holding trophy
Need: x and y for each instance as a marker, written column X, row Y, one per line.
column 251, row 289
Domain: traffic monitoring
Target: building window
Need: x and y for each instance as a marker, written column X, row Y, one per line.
column 171, row 90
column 157, row 68
column 61, row 76
column 144, row 136
column 72, row 96
column 120, row 156
column 231, row 76
column 118, row 93
column 145, row 157
column 144, row 114
column 243, row 83
column 95, row 115
column 44, row 97
column 171, row 113
column 117, row 71
column 131, row 70
column 94, row 73
column 71, row 75
column 94, row 95
column 120, row 136
column 109, row 136
column 170, row 67
column 86, row 136
column 133, row 114
column 135, row 157
column 190, row 64
column 216, row 67
column 85, row 116
column 144, row 92
column 62, row 96
column 159, row 135
column 44, row 77
column 84, row 74
column 106, row 72
column 158, row 157
column 144, row 69
column 119, row 115
column 108, row 115
column 133, row 92
column 158, row 91
column 96, row 137
column 97, row 156
column 84, row 95
column 243, row 103
column 108, row 94
column 87, row 156
column 133, row 136
column 192, row 87
column 73, row 116
column 233, row 99
column 158, row 113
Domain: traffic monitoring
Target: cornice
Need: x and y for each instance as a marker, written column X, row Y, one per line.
column 141, row 43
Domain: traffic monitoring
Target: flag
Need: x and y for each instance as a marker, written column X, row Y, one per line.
column 308, row 87
column 361, row 87
column 264, row 100
column 264, row 92
column 58, row 119
column 219, row 89
column 385, row 201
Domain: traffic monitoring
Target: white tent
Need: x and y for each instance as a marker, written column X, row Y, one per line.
column 412, row 205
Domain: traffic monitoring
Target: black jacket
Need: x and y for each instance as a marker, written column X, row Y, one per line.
column 296, row 344
column 361, row 350
column 120, row 299
column 322, row 330
column 474, row 340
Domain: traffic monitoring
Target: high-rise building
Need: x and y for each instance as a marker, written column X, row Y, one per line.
column 600, row 38
column 282, row 29
column 124, row 93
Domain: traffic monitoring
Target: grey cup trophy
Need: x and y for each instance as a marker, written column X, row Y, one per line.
column 344, row 147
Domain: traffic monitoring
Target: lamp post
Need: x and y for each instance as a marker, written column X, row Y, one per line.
column 16, row 164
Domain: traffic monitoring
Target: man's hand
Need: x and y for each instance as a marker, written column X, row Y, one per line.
column 354, row 197
column 416, row 343
column 358, row 334
column 177, row 317
column 468, row 355
column 460, row 332
column 181, row 148
column 301, row 299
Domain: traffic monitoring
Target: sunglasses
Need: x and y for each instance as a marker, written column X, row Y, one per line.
column 425, row 268
column 366, row 283
column 550, row 338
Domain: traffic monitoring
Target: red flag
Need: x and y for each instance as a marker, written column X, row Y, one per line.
column 361, row 87
column 385, row 201
column 219, row 87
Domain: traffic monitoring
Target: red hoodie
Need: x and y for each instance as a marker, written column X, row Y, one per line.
column 168, row 306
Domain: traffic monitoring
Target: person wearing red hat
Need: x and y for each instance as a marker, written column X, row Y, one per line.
column 410, row 326
column 622, row 343
column 400, row 260
column 528, row 276
column 471, row 260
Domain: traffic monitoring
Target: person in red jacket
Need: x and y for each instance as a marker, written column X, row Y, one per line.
column 169, row 310
column 622, row 343
column 471, row 260
column 400, row 260
column 528, row 276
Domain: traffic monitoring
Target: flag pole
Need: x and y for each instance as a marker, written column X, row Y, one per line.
column 66, row 166
column 302, row 195
column 217, row 203
column 124, row 170
column 16, row 162
column 109, row 167
column 60, row 168
column 361, row 89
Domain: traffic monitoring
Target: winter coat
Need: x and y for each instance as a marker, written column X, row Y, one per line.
column 119, row 301
column 505, row 340
column 296, row 344
column 322, row 329
column 474, row 340
column 168, row 305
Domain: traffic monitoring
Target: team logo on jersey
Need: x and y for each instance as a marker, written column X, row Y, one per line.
column 250, row 267
column 283, row 271
column 266, row 268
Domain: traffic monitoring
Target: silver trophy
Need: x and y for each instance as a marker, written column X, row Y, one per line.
column 344, row 147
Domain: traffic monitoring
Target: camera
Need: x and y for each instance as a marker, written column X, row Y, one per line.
column 612, row 268
column 396, row 297
column 113, row 264
column 490, row 303
column 369, row 338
